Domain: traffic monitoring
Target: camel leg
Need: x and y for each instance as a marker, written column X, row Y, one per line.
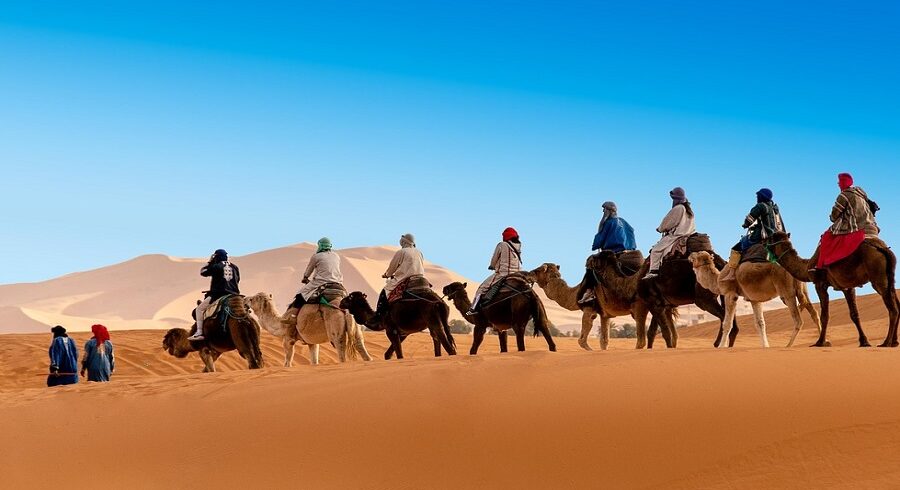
column 439, row 336
column 520, row 339
column 395, row 338
column 794, row 310
column 477, row 338
column 760, row 323
column 639, row 313
column 889, row 297
column 338, row 343
column 725, row 327
column 209, row 360
column 806, row 304
column 503, row 337
column 673, row 333
column 360, row 344
column 651, row 330
column 391, row 349
column 665, row 320
column 850, row 294
column 314, row 354
column 288, row 345
column 587, row 323
column 436, row 342
column 822, row 292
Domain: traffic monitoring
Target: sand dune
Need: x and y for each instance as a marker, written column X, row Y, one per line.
column 687, row 418
column 159, row 292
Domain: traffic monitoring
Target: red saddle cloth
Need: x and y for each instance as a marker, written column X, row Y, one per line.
column 833, row 248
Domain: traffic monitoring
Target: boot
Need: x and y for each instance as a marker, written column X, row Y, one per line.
column 734, row 259
column 380, row 308
column 198, row 335
column 290, row 316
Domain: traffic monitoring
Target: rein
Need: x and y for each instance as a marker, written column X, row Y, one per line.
column 774, row 259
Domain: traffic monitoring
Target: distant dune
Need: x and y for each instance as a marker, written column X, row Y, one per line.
column 159, row 292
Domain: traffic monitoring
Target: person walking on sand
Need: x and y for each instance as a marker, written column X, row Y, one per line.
column 99, row 361
column 63, row 359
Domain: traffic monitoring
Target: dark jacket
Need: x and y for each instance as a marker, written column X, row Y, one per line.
column 224, row 279
column 763, row 221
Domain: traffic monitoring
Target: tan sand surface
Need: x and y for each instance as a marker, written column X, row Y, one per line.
column 694, row 417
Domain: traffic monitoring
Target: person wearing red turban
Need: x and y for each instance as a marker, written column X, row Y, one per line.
column 852, row 220
column 99, row 361
column 507, row 259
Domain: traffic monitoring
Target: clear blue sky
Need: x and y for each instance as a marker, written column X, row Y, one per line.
column 180, row 127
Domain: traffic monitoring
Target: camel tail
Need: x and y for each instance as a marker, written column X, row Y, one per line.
column 891, row 265
column 249, row 332
column 539, row 315
column 351, row 337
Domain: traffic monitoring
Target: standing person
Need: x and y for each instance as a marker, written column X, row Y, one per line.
column 224, row 278
column 63, row 359
column 324, row 267
column 507, row 259
column 678, row 222
column 99, row 361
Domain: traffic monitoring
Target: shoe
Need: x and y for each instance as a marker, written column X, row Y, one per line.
column 471, row 313
column 196, row 337
column 651, row 275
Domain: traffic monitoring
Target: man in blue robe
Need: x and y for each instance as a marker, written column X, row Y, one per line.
column 63, row 359
column 614, row 233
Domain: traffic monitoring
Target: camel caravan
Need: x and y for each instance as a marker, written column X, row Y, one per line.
column 681, row 269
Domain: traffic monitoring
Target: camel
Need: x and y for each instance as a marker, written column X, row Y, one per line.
column 757, row 282
column 510, row 309
column 675, row 286
column 873, row 262
column 316, row 324
column 241, row 333
column 549, row 279
column 404, row 317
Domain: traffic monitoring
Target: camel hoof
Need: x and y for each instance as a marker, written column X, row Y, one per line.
column 584, row 345
column 552, row 348
column 867, row 344
column 822, row 344
column 886, row 344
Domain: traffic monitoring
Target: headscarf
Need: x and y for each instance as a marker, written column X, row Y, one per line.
column 324, row 245
column 845, row 181
column 678, row 196
column 609, row 211
column 220, row 255
column 407, row 240
column 58, row 331
column 100, row 333
column 509, row 234
column 764, row 195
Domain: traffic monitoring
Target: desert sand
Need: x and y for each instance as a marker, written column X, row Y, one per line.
column 694, row 417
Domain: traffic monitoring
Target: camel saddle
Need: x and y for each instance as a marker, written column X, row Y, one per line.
column 517, row 282
column 327, row 293
column 686, row 245
column 629, row 262
column 231, row 305
column 409, row 288
column 755, row 254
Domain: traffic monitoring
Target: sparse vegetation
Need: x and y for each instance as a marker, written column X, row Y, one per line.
column 460, row 326
column 626, row 331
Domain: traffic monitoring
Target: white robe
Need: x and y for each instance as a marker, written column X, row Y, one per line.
column 407, row 262
column 675, row 225
column 504, row 262
column 324, row 267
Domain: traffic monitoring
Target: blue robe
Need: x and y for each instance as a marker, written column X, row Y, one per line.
column 63, row 357
column 99, row 365
column 616, row 235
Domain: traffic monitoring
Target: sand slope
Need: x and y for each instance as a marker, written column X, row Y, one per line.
column 159, row 292
column 687, row 418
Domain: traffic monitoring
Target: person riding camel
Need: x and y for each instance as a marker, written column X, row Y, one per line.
column 763, row 220
column 678, row 222
column 324, row 268
column 614, row 233
column 852, row 221
column 506, row 260
column 407, row 262
column 224, row 278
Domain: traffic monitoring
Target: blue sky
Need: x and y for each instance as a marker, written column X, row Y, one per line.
column 157, row 127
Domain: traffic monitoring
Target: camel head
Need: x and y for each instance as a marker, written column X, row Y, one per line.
column 453, row 289
column 355, row 302
column 176, row 343
column 261, row 302
column 701, row 259
column 780, row 243
column 545, row 272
